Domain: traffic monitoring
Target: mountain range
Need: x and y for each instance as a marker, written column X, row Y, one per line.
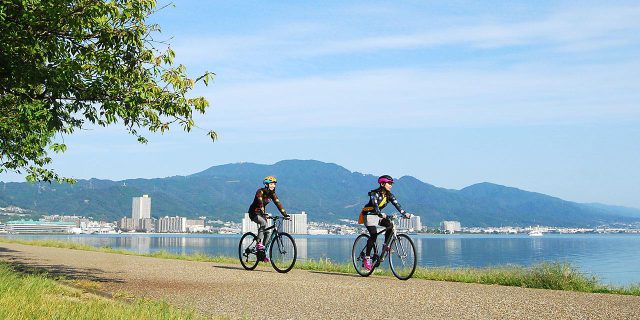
column 326, row 191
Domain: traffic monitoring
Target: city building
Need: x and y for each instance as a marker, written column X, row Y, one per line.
column 3, row 228
column 410, row 225
column 29, row 226
column 172, row 224
column 58, row 218
column 450, row 226
column 196, row 225
column 296, row 225
column 146, row 225
column 140, row 209
column 126, row 224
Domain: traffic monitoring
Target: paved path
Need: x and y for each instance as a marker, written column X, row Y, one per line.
column 218, row 289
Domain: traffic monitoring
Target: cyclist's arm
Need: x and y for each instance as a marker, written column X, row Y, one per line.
column 276, row 201
column 396, row 204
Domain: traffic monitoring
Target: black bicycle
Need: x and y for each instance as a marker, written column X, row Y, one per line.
column 401, row 252
column 280, row 245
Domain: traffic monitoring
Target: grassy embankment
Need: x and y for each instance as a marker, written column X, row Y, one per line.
column 37, row 296
column 554, row 275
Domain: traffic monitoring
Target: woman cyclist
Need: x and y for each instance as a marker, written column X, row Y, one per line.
column 372, row 217
column 258, row 214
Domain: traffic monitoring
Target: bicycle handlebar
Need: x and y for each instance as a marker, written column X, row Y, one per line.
column 395, row 216
column 277, row 217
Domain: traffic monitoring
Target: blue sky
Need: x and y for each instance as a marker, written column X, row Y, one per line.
column 538, row 95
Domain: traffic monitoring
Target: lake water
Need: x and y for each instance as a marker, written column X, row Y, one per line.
column 613, row 258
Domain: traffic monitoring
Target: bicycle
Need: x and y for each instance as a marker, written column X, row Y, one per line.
column 283, row 257
column 402, row 254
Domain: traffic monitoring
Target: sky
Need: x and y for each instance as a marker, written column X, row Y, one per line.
column 539, row 95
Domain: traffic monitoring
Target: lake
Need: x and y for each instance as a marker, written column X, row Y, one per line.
column 613, row 258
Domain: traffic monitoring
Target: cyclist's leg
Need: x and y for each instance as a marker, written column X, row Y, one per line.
column 373, row 234
column 267, row 233
column 389, row 229
column 262, row 224
column 262, row 238
column 371, row 221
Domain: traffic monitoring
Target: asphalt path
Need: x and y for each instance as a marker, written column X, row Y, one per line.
column 228, row 290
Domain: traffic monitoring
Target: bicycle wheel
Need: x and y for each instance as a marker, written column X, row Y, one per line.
column 358, row 253
column 247, row 251
column 283, row 252
column 402, row 258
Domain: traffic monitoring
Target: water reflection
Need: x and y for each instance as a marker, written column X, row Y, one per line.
column 452, row 247
column 537, row 246
column 301, row 245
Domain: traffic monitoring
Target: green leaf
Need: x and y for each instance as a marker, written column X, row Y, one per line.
column 98, row 66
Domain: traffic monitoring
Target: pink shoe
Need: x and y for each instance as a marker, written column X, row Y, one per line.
column 260, row 246
column 367, row 263
column 266, row 260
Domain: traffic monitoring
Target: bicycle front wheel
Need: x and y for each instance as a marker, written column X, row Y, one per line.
column 402, row 258
column 358, row 253
column 247, row 251
column 283, row 252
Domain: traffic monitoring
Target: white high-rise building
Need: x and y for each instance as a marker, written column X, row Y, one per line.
column 411, row 225
column 140, row 209
column 248, row 225
column 297, row 224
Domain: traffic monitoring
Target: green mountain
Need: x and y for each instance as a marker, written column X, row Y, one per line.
column 326, row 191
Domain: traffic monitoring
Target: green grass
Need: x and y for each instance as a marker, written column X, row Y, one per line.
column 548, row 275
column 36, row 296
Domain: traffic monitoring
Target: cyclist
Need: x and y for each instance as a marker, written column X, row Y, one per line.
column 372, row 217
column 258, row 214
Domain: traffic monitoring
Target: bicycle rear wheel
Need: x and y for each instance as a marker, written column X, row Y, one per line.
column 247, row 251
column 358, row 253
column 283, row 253
column 402, row 258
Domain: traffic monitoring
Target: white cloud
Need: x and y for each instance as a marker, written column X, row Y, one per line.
column 576, row 29
column 530, row 94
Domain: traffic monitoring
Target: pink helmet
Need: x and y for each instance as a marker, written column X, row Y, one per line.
column 385, row 179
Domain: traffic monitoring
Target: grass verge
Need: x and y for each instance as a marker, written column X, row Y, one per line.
column 36, row 296
column 548, row 275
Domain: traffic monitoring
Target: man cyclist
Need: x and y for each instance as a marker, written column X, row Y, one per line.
column 258, row 214
column 371, row 215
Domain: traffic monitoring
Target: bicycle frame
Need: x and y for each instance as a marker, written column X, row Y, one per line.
column 394, row 236
column 277, row 222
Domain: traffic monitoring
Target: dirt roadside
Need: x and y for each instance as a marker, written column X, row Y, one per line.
column 222, row 289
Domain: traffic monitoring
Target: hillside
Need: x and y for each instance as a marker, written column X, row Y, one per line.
column 326, row 191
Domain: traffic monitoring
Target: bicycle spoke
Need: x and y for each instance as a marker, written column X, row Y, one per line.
column 283, row 253
column 402, row 258
column 358, row 253
column 247, row 251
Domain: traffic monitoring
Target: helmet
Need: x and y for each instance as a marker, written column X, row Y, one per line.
column 270, row 179
column 385, row 179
